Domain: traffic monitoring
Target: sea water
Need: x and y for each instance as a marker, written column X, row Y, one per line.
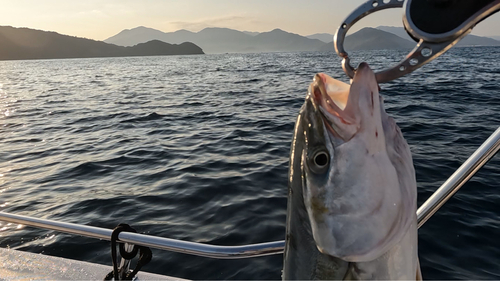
column 196, row 148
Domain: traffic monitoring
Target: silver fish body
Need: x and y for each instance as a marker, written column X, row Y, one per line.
column 352, row 188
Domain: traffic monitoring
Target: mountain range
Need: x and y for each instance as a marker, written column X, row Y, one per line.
column 221, row 40
column 25, row 43
column 372, row 39
column 469, row 40
column 225, row 40
column 325, row 37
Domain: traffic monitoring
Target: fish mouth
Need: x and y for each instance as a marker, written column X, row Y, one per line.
column 330, row 98
column 330, row 91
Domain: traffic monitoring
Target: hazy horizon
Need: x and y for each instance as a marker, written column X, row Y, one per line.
column 96, row 20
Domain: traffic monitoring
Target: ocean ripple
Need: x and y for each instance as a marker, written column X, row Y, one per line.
column 196, row 148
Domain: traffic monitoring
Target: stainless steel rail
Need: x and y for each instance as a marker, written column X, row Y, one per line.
column 477, row 160
column 198, row 249
column 463, row 174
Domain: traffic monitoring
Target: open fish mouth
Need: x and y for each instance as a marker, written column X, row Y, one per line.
column 331, row 92
column 330, row 98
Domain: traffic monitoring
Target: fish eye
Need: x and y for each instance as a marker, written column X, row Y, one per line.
column 321, row 159
column 318, row 160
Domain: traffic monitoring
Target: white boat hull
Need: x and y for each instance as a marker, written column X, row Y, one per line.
column 18, row 265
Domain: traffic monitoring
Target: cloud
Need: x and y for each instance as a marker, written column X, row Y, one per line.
column 226, row 21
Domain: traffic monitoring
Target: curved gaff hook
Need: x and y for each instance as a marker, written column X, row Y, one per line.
column 362, row 11
column 423, row 53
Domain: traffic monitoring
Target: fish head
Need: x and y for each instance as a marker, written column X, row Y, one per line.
column 358, row 202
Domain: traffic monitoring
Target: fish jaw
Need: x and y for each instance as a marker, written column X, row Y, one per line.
column 355, row 204
column 329, row 98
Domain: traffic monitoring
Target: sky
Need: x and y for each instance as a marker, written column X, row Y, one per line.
column 99, row 20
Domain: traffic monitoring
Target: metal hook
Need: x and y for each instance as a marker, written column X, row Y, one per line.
column 423, row 53
column 362, row 11
column 428, row 48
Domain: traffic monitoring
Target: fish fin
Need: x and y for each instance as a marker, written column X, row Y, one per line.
column 419, row 272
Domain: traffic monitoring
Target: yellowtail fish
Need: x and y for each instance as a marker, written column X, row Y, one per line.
column 352, row 194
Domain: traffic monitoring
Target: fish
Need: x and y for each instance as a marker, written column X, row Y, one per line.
column 352, row 192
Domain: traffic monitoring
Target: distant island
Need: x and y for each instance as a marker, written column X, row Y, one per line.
column 224, row 40
column 25, row 43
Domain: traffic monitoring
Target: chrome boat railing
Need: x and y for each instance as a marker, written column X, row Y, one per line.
column 179, row 246
column 462, row 175
column 477, row 160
